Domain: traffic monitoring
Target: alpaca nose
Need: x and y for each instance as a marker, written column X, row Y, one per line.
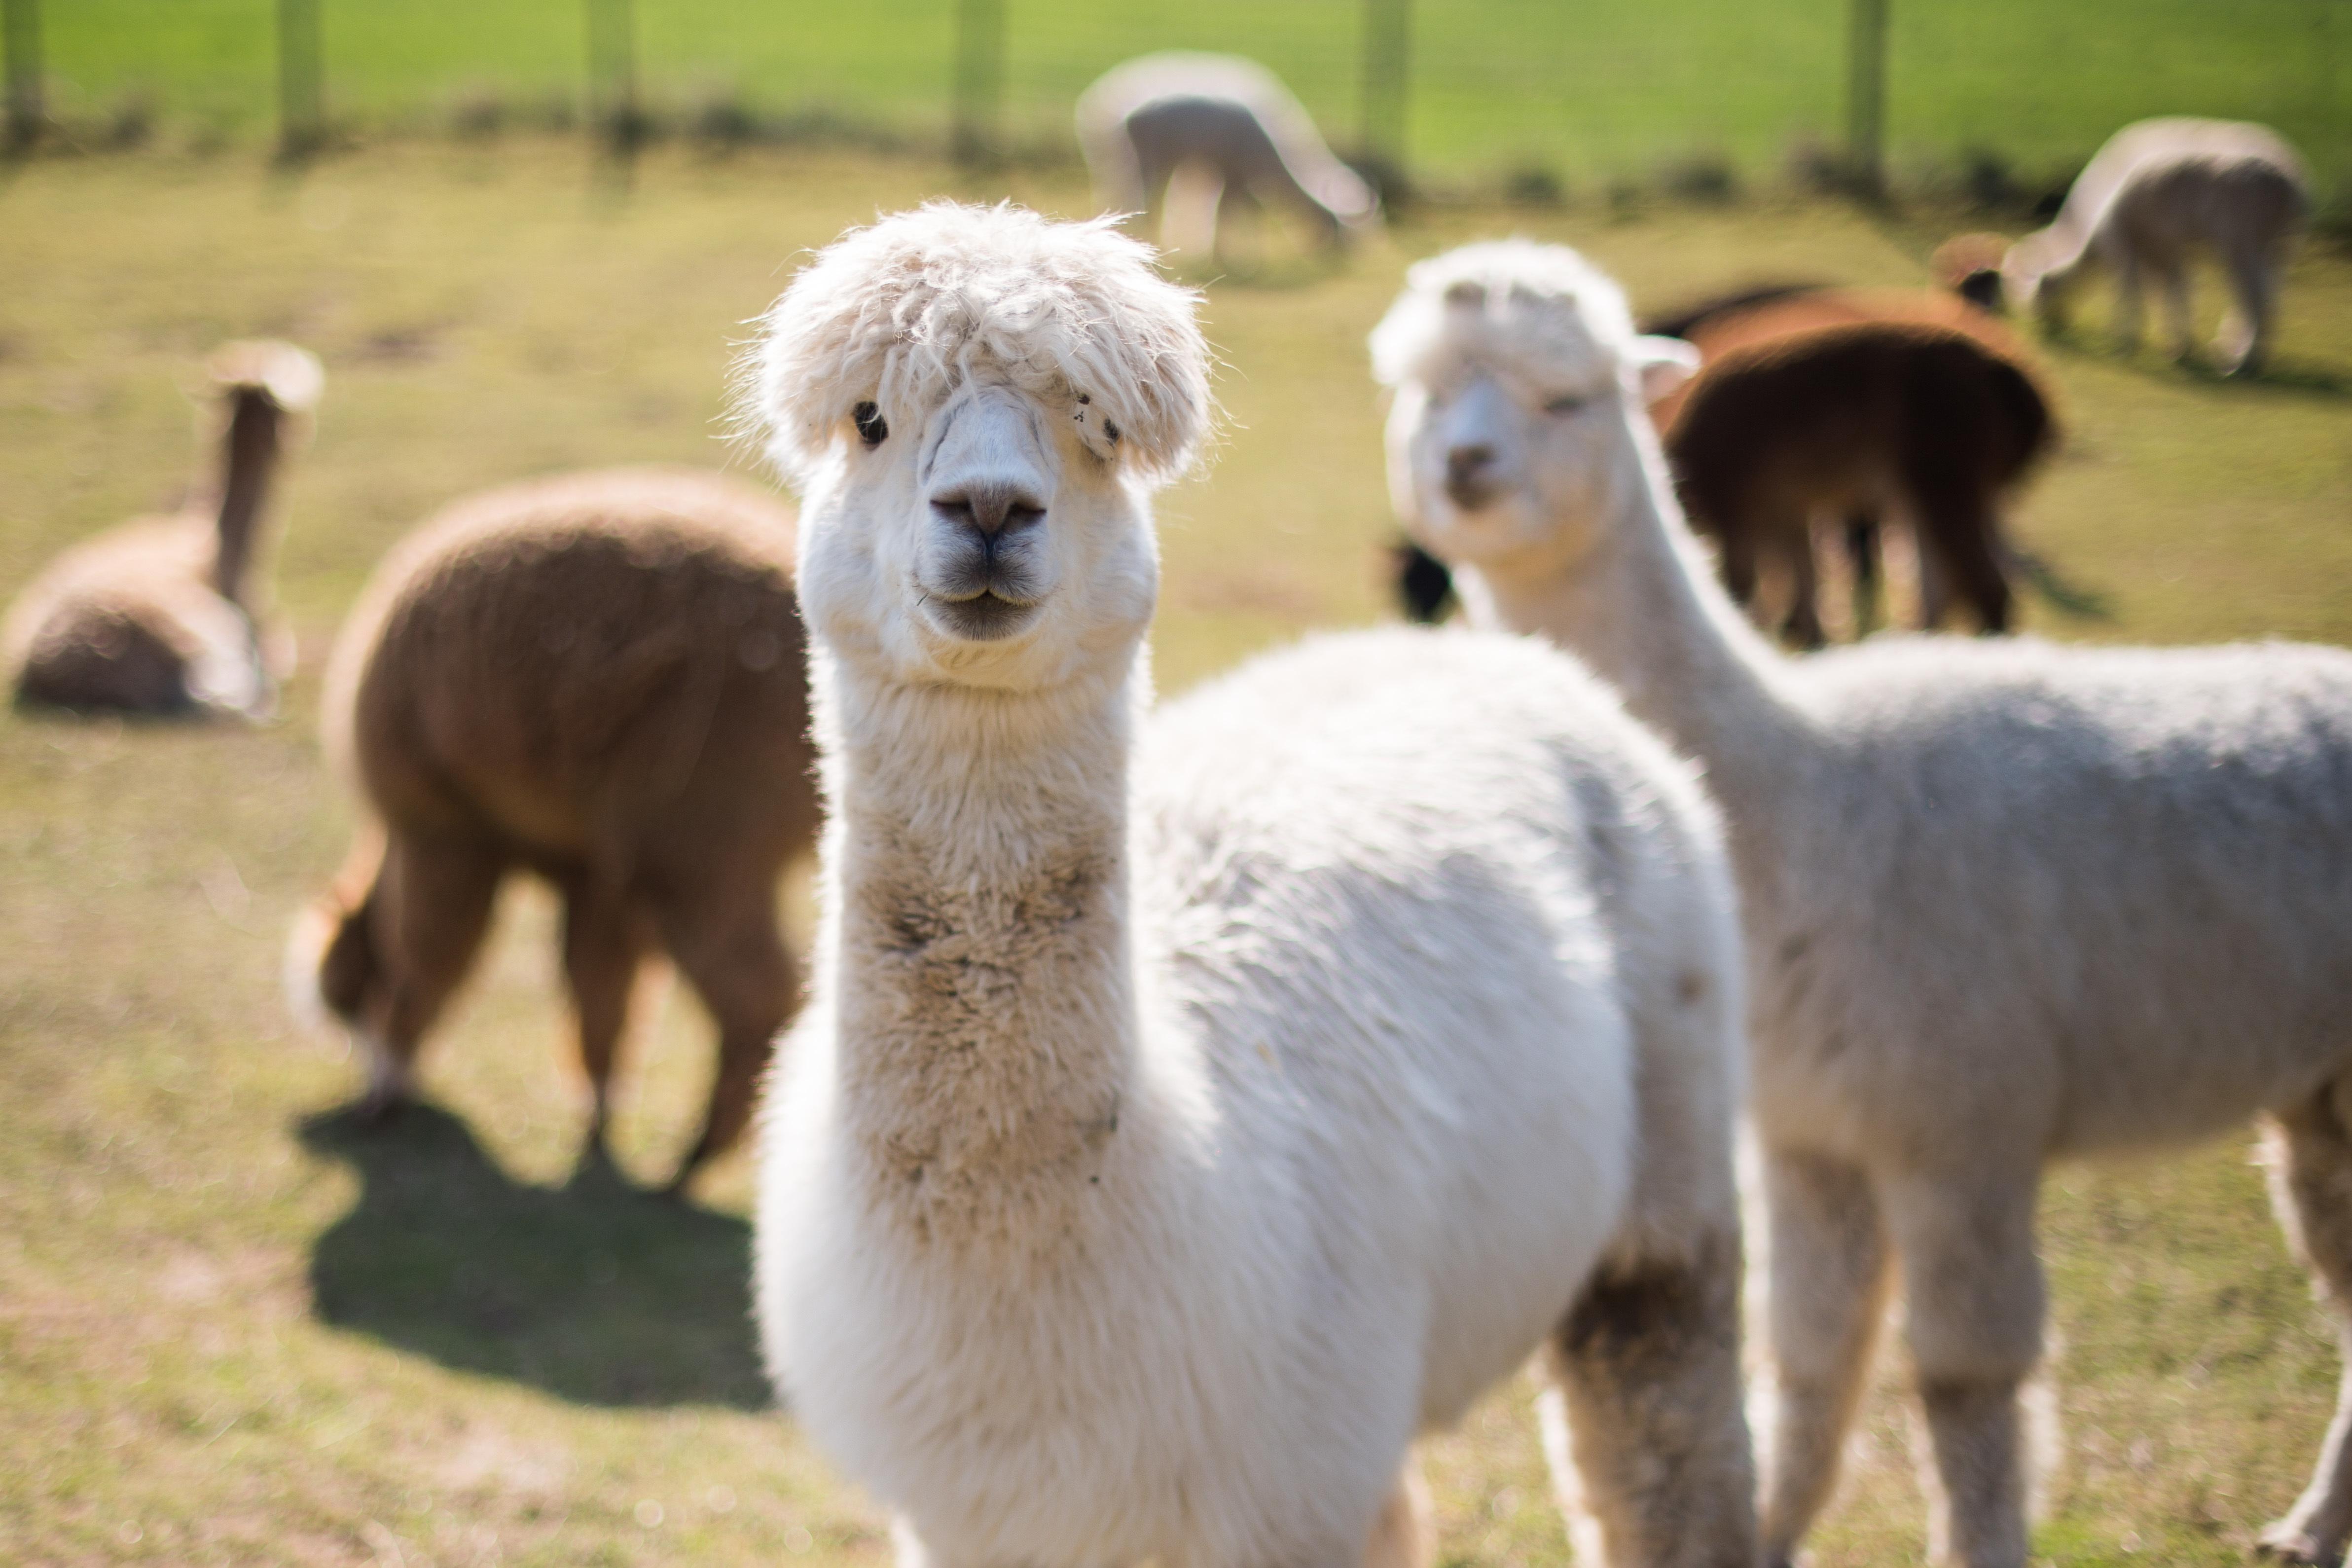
column 988, row 508
column 1464, row 462
column 1467, row 479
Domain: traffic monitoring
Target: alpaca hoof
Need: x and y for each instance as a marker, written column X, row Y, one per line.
column 2287, row 1541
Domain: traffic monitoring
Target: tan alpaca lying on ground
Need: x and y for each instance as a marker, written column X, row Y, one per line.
column 161, row 614
column 598, row 679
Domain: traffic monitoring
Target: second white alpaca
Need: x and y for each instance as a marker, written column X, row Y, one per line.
column 1190, row 1109
column 2005, row 903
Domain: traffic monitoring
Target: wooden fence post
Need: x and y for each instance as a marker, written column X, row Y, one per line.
column 301, row 104
column 614, row 114
column 20, row 34
column 1388, row 58
column 979, row 97
column 1865, row 103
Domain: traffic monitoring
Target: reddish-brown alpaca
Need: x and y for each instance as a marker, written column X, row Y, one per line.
column 599, row 679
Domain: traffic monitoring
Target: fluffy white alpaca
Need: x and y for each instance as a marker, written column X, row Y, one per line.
column 1196, row 134
column 2004, row 902
column 1189, row 1108
column 2157, row 192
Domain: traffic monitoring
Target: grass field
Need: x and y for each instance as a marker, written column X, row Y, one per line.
column 1592, row 93
column 233, row 1329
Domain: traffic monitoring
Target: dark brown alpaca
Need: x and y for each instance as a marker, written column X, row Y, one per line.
column 599, row 679
column 165, row 615
column 1858, row 421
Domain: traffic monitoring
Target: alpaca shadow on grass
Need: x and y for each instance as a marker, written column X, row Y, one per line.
column 596, row 1291
column 2283, row 372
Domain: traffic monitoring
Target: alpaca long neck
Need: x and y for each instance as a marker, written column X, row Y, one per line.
column 249, row 459
column 1644, row 611
column 984, row 1000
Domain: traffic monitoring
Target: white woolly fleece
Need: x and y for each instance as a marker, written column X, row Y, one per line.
column 893, row 314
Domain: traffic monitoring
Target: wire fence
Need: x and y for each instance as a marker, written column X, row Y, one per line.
column 1532, row 93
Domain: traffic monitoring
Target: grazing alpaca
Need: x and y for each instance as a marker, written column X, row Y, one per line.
column 1855, row 422
column 1226, row 132
column 2004, row 902
column 163, row 614
column 2155, row 195
column 1190, row 1108
column 600, row 678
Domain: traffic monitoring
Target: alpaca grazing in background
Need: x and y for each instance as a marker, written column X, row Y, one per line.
column 1191, row 1107
column 165, row 614
column 2005, row 903
column 1196, row 136
column 2156, row 194
column 600, row 678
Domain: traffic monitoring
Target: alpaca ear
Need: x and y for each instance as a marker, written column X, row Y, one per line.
column 1663, row 364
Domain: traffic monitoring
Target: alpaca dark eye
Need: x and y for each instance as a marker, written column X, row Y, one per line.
column 1110, row 430
column 1568, row 404
column 872, row 428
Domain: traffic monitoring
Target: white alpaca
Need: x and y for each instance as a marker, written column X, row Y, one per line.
column 1198, row 134
column 2155, row 195
column 1190, row 1108
column 2004, row 902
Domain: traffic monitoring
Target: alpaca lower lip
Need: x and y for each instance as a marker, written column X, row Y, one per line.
column 982, row 618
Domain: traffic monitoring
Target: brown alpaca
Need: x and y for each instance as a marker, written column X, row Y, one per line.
column 1762, row 315
column 599, row 679
column 164, row 614
column 1857, row 421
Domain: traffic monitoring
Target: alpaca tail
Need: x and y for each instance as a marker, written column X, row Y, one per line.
column 329, row 959
column 1424, row 584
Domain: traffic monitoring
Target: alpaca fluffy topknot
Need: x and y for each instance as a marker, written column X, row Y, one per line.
column 900, row 313
column 1506, row 301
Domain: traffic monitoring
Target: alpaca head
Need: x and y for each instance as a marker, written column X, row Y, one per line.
column 2035, row 278
column 1969, row 266
column 976, row 404
column 1519, row 383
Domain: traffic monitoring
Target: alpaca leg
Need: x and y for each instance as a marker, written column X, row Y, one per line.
column 604, row 947
column 2127, row 302
column 2246, row 335
column 2183, row 322
column 1957, row 527
column 2311, row 1187
column 1648, row 1363
column 731, row 951
column 1828, row 1292
column 1935, row 582
column 1738, row 551
column 1804, row 626
column 431, row 908
column 1862, row 552
column 1974, row 1293
column 1399, row 1536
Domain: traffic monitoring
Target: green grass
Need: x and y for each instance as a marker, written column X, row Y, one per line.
column 234, row 1328
column 1591, row 91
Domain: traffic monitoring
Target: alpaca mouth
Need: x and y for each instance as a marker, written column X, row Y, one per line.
column 1471, row 497
column 983, row 617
